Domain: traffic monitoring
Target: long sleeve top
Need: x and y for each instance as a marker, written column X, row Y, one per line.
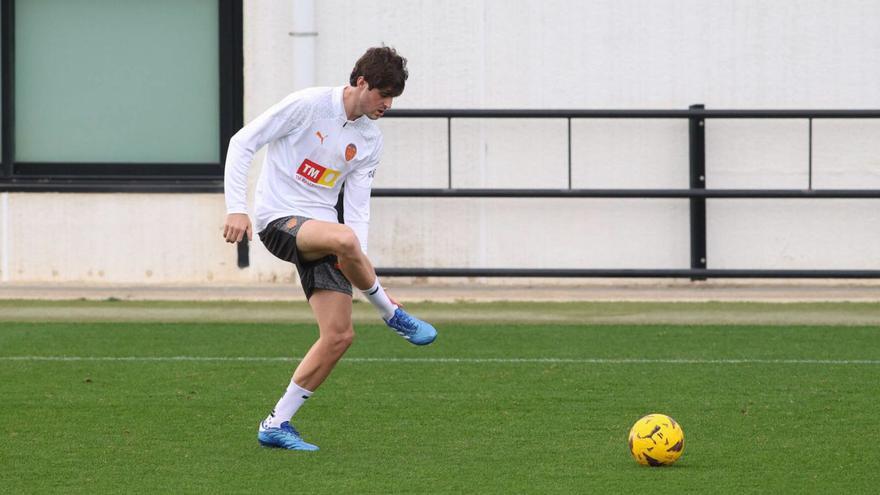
column 313, row 149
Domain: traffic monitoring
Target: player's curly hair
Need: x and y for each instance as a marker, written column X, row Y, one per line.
column 383, row 69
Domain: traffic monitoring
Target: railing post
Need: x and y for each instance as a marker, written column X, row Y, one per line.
column 449, row 151
column 243, row 258
column 569, row 152
column 697, row 141
column 810, row 158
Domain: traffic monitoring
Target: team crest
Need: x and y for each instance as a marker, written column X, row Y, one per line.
column 350, row 152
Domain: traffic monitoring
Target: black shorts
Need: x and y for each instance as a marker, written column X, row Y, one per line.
column 279, row 237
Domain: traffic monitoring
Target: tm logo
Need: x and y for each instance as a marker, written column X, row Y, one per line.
column 319, row 175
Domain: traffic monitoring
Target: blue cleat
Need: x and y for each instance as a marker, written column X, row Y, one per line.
column 283, row 437
column 411, row 328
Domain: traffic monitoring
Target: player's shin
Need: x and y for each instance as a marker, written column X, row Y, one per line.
column 358, row 270
column 378, row 298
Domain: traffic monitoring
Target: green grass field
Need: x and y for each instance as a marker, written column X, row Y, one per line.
column 165, row 398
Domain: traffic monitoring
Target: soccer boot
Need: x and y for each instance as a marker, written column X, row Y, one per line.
column 411, row 328
column 283, row 437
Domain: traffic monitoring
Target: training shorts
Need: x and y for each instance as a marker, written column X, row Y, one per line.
column 279, row 237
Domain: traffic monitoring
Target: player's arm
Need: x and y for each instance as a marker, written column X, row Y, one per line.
column 356, row 203
column 356, row 206
column 356, row 200
column 282, row 119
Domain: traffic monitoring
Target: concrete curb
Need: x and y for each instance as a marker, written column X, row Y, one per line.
column 670, row 292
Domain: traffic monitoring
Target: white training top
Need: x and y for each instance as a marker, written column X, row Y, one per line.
column 313, row 150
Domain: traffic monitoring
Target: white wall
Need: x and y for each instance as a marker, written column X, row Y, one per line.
column 538, row 54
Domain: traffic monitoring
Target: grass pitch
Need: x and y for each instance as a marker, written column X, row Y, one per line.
column 170, row 402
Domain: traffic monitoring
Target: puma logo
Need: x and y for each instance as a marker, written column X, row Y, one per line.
column 651, row 435
column 320, row 136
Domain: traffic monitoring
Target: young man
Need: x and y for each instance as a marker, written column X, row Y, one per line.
column 321, row 140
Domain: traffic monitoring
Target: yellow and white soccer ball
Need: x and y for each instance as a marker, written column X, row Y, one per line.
column 656, row 440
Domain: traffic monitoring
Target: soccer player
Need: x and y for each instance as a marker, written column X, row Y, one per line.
column 321, row 141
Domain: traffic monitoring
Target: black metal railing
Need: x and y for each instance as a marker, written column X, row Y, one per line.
column 696, row 193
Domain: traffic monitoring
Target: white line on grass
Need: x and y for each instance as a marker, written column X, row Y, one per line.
column 429, row 360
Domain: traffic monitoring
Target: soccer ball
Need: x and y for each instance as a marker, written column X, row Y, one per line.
column 656, row 440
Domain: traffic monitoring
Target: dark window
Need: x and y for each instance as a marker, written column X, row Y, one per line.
column 119, row 95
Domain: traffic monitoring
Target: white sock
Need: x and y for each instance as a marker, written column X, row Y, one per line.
column 378, row 298
column 287, row 406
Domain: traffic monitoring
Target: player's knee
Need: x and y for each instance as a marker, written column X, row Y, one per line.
column 347, row 243
column 346, row 339
column 341, row 340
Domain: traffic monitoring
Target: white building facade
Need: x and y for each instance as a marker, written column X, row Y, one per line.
column 602, row 54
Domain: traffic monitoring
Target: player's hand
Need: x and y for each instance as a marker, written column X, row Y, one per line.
column 393, row 301
column 237, row 225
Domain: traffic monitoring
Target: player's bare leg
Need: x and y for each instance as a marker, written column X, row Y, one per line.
column 317, row 239
column 333, row 313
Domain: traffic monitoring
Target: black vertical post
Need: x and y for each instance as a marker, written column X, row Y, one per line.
column 243, row 254
column 7, row 59
column 697, row 140
column 231, row 46
column 810, row 160
column 449, row 151
column 569, row 152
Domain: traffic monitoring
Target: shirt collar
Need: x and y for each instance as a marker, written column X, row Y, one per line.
column 339, row 106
